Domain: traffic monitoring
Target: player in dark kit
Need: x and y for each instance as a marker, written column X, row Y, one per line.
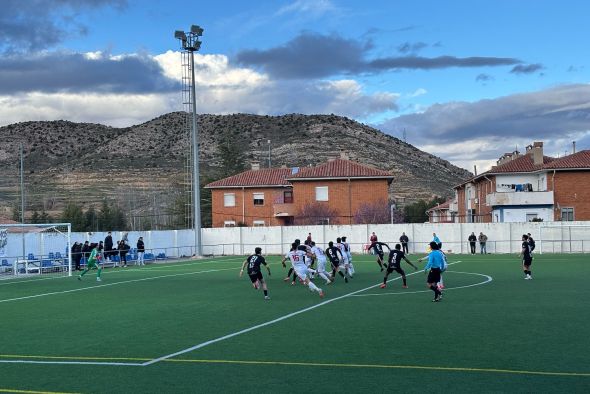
column 527, row 257
column 378, row 248
column 395, row 258
column 333, row 254
column 253, row 262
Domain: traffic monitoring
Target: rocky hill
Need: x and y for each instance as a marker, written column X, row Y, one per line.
column 144, row 166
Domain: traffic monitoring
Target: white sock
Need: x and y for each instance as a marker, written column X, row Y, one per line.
column 313, row 287
column 351, row 268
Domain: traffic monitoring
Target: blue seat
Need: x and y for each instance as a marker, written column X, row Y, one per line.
column 161, row 255
column 30, row 256
column 5, row 263
column 58, row 255
column 51, row 255
column 46, row 263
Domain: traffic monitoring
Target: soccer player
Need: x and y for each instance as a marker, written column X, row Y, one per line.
column 404, row 241
column 348, row 255
column 253, row 262
column 321, row 258
column 527, row 258
column 344, row 263
column 434, row 267
column 437, row 240
column 297, row 258
column 379, row 252
column 531, row 242
column 335, row 256
column 93, row 261
column 395, row 258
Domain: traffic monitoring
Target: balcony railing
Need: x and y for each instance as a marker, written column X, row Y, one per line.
column 520, row 198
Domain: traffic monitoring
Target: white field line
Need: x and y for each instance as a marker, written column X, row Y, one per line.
column 10, row 281
column 113, row 284
column 71, row 363
column 488, row 280
column 268, row 323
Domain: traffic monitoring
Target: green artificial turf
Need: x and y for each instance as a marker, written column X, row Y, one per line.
column 493, row 331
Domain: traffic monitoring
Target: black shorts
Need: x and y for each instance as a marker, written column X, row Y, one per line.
column 527, row 260
column 400, row 271
column 254, row 276
column 380, row 255
column 335, row 263
column 433, row 275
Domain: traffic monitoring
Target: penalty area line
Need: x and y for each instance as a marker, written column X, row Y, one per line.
column 268, row 323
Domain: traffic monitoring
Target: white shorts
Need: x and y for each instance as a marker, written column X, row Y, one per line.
column 344, row 261
column 301, row 271
column 321, row 264
column 349, row 257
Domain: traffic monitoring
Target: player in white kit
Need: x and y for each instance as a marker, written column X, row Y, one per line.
column 297, row 258
column 321, row 266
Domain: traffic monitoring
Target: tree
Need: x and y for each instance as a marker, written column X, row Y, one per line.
column 45, row 217
column 316, row 213
column 73, row 214
column 16, row 211
column 90, row 219
column 35, row 217
column 416, row 212
column 378, row 212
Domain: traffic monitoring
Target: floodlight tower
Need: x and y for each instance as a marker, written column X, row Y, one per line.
column 191, row 43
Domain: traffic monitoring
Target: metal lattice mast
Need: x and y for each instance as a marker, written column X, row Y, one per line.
column 190, row 44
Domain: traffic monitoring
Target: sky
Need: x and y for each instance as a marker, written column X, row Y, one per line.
column 466, row 80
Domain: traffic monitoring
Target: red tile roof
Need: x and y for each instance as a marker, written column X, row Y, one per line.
column 580, row 159
column 253, row 178
column 521, row 164
column 340, row 168
column 444, row 205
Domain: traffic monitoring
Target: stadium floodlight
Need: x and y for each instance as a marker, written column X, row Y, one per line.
column 197, row 30
column 190, row 42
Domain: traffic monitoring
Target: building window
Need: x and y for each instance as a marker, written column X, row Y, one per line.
column 229, row 223
column 567, row 214
column 288, row 197
column 531, row 217
column 471, row 216
column 325, row 221
column 229, row 199
column 321, row 193
column 258, row 198
column 258, row 223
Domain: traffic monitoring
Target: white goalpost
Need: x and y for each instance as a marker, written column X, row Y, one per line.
column 35, row 249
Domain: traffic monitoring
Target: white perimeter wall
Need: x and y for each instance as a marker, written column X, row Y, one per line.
column 502, row 238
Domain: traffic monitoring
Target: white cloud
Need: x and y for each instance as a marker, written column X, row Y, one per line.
column 312, row 8
column 221, row 89
column 418, row 92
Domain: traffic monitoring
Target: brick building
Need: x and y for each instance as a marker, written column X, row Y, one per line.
column 527, row 187
column 280, row 196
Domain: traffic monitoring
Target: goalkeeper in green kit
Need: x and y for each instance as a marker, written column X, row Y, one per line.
column 93, row 261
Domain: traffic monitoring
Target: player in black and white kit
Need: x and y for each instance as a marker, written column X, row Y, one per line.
column 527, row 257
column 253, row 263
column 394, row 264
column 378, row 248
column 335, row 255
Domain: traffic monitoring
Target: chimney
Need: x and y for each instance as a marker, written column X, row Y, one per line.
column 537, row 153
column 573, row 147
column 475, row 170
column 255, row 165
column 343, row 154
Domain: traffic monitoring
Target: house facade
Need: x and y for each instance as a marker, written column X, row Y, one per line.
column 527, row 187
column 330, row 193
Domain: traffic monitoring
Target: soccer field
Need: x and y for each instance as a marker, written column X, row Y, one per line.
column 197, row 327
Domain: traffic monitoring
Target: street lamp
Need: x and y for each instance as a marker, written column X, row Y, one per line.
column 190, row 42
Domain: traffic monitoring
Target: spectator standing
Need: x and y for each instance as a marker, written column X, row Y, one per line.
column 123, row 248
column 404, row 241
column 108, row 246
column 85, row 250
column 482, row 238
column 372, row 242
column 308, row 239
column 140, row 251
column 472, row 238
column 77, row 255
column 437, row 241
